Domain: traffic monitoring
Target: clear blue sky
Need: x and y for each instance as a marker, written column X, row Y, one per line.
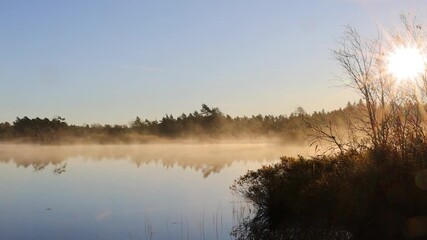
column 110, row 61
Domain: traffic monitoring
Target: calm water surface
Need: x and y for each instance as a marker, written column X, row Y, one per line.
column 154, row 191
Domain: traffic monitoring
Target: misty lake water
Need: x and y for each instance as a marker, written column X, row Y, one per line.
column 152, row 191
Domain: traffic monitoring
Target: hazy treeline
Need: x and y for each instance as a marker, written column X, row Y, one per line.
column 207, row 123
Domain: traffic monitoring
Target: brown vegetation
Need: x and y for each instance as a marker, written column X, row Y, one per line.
column 368, row 183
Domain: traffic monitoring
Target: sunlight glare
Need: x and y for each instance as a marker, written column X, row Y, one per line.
column 406, row 63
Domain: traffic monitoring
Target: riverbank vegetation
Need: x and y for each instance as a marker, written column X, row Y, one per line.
column 370, row 180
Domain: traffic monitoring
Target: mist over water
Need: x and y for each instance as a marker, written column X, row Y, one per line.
column 192, row 155
column 151, row 191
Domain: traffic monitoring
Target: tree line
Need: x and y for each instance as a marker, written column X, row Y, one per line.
column 206, row 123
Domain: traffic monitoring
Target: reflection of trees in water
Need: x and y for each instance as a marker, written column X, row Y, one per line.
column 61, row 169
column 205, row 158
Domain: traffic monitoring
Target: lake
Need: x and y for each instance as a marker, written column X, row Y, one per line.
column 151, row 191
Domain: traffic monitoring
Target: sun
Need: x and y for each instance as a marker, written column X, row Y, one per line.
column 406, row 63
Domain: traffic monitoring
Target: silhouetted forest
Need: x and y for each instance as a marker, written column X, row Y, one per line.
column 207, row 123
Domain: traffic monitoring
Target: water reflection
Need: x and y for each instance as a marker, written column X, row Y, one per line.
column 205, row 158
column 172, row 191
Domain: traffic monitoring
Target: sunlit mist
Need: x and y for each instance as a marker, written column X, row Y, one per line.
column 406, row 63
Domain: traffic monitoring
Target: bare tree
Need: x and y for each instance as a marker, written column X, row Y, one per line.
column 393, row 114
